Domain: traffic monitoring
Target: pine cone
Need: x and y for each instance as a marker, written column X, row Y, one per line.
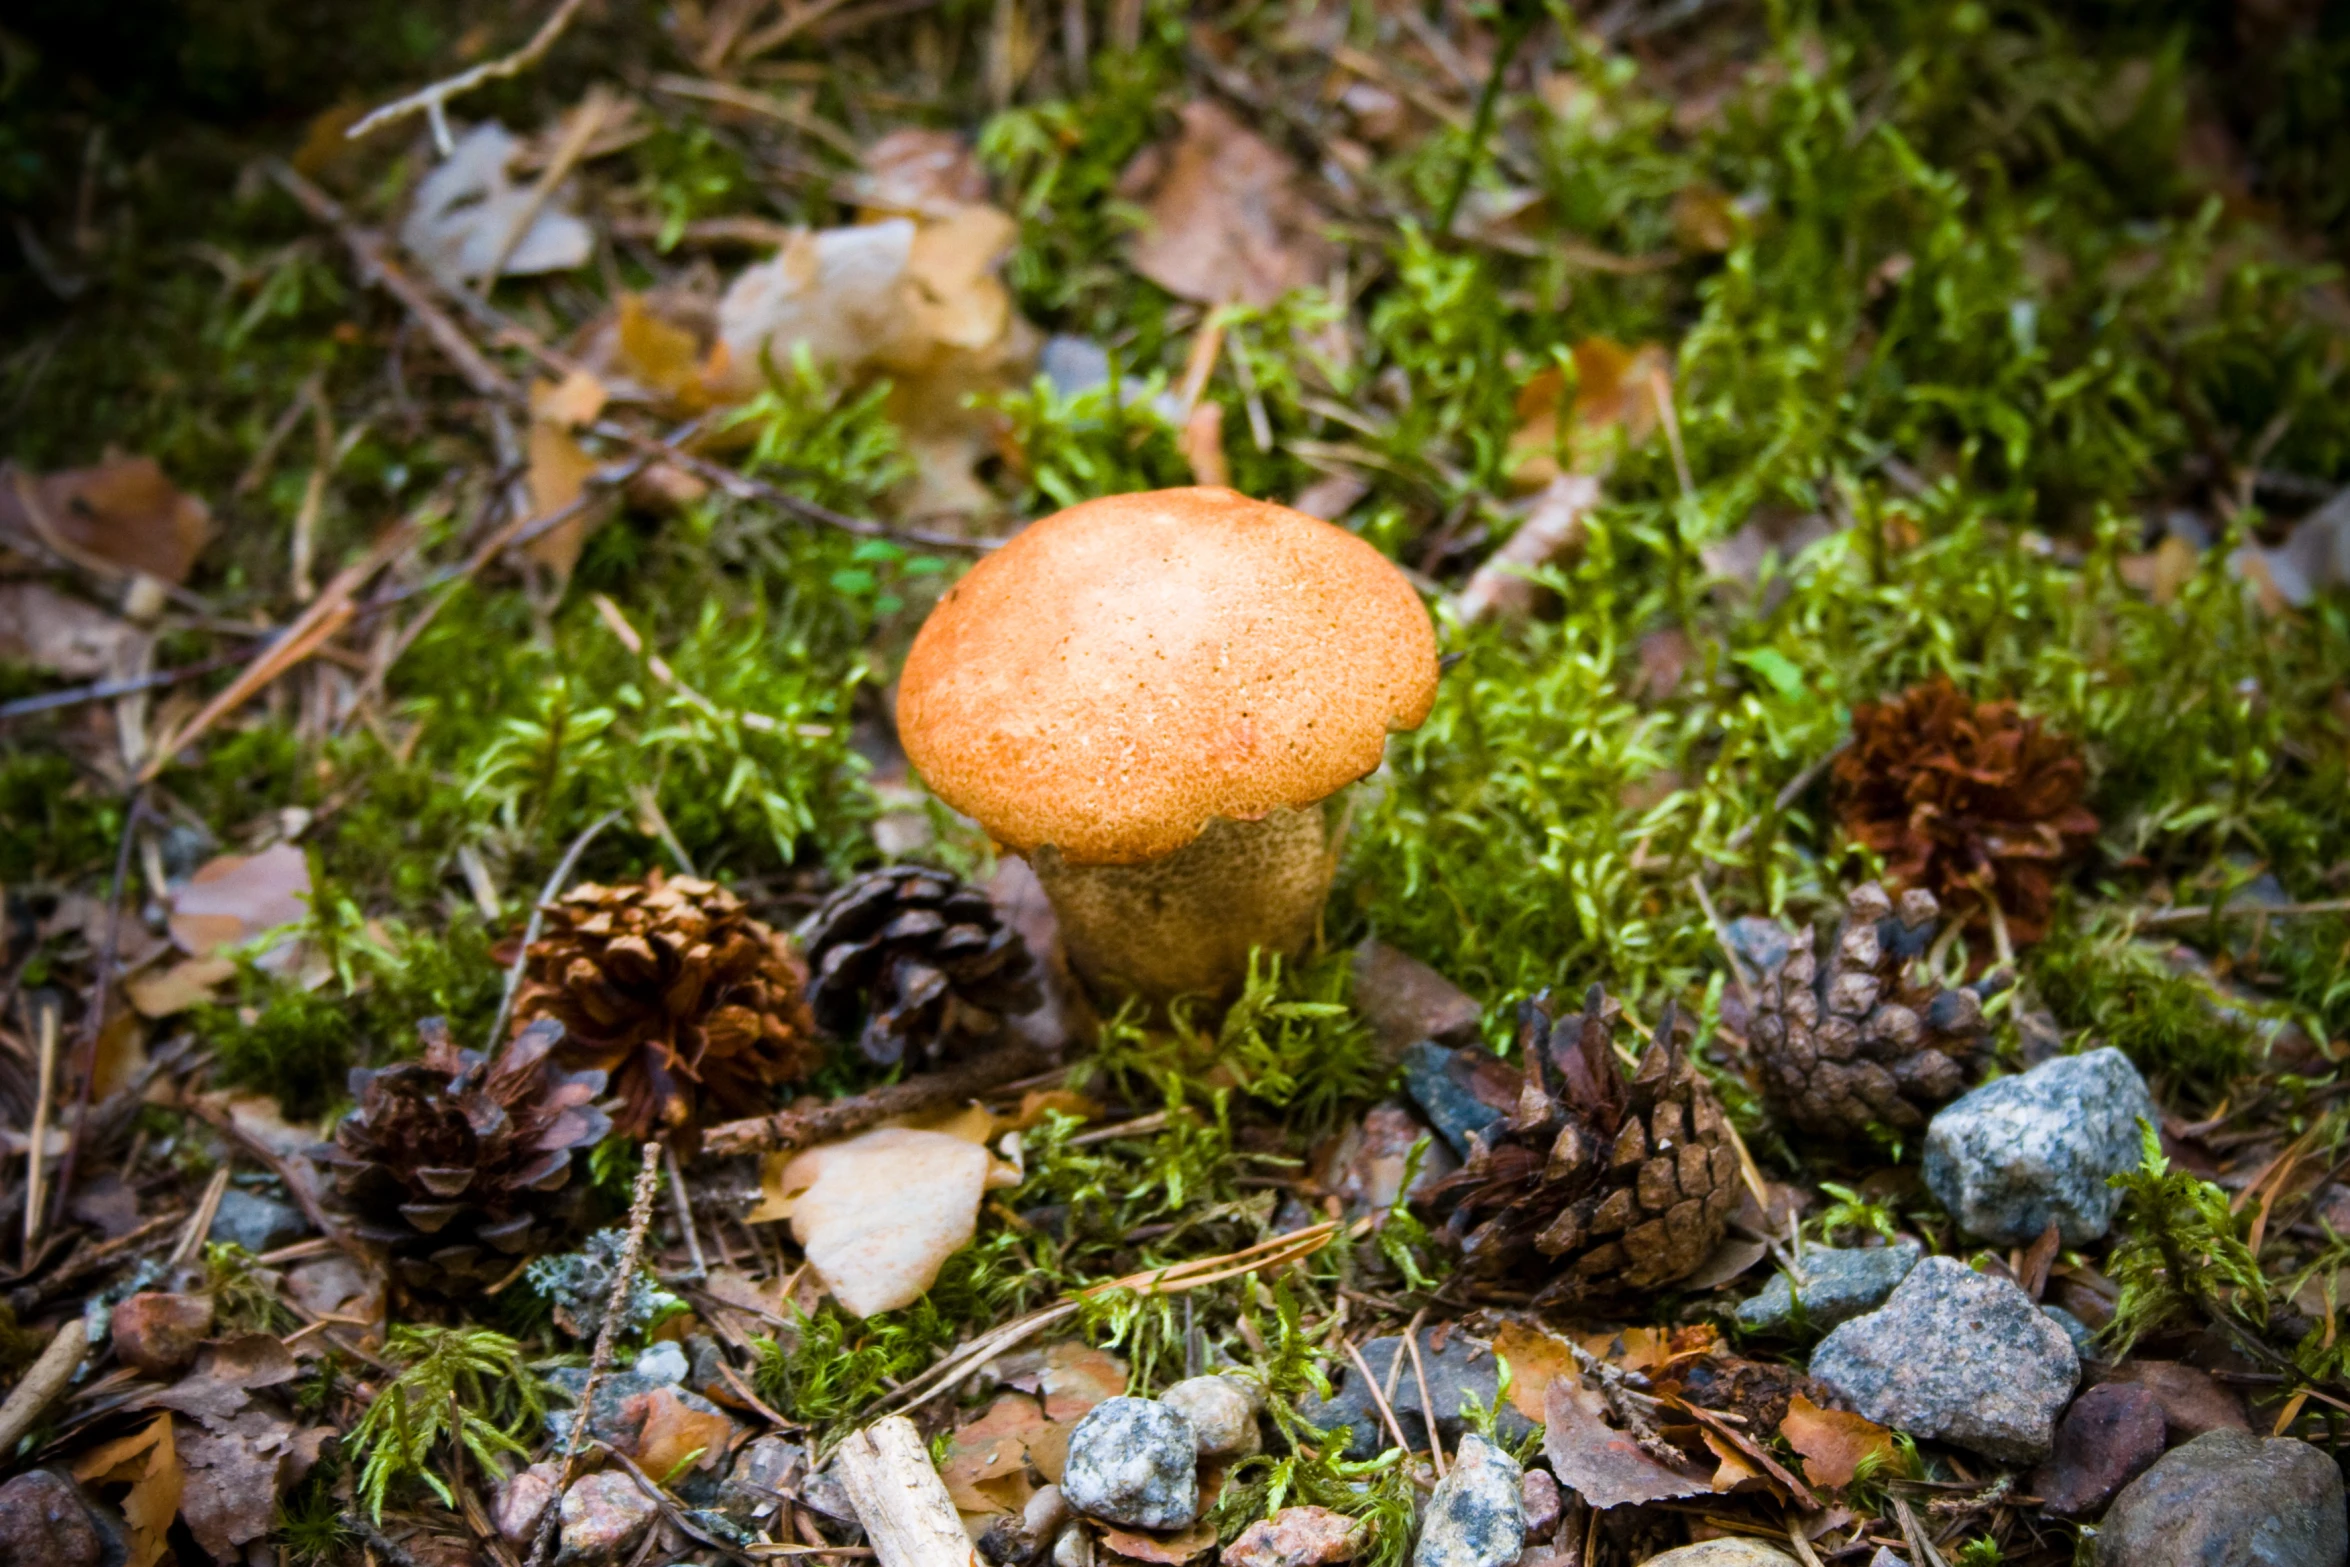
column 1951, row 791
column 1870, row 1038
column 907, row 957
column 461, row 1167
column 692, row 1006
column 1598, row 1183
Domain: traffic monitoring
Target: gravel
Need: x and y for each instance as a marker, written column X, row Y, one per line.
column 603, row 1516
column 2109, row 1438
column 2230, row 1499
column 1222, row 1412
column 1474, row 1517
column 1839, row 1283
column 1957, row 1357
column 2014, row 1154
column 1134, row 1461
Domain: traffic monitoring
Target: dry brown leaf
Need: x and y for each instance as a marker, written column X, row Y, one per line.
column 1599, row 1463
column 65, row 636
column 121, row 513
column 2162, row 571
column 1228, row 216
column 1552, row 531
column 1077, row 1377
column 148, row 1461
column 237, row 897
column 164, row 992
column 918, row 173
column 1049, row 1449
column 1733, row 1470
column 990, row 1448
column 1169, row 1549
column 661, row 355
column 227, row 1374
column 1615, row 403
column 230, row 1493
column 673, row 1431
column 560, row 468
column 1832, row 1441
column 1704, row 218
column 1536, row 1357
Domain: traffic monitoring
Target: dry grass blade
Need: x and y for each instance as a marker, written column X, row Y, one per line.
column 432, row 101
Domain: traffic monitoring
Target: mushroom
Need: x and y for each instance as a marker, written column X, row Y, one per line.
column 1152, row 697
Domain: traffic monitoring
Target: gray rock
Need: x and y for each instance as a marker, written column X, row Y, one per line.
column 45, row 1521
column 1957, row 1357
column 1134, row 1461
column 616, row 1418
column 2014, row 1154
column 1885, row 1558
column 1462, row 1368
column 1722, row 1553
column 2230, row 1499
column 1440, row 1083
column 1839, row 1283
column 1222, row 1412
column 2111, row 1435
column 663, row 1362
column 2083, row 1337
column 1474, row 1517
column 603, row 1516
column 764, row 1468
column 255, row 1222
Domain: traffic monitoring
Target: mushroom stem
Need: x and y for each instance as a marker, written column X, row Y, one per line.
column 1183, row 924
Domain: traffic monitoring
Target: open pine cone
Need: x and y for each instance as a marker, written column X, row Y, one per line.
column 910, row 959
column 461, row 1167
column 1868, row 1038
column 1593, row 1183
column 1951, row 792
column 694, row 1008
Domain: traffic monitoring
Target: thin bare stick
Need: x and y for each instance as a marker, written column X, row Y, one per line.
column 2197, row 913
column 1660, row 387
column 1427, row 1404
column 803, row 1128
column 685, row 1215
column 632, row 1251
column 538, row 918
column 1722, row 939
column 37, row 1155
column 899, row 1497
column 85, row 1053
column 40, row 1386
column 1371, row 1386
column 432, row 101
column 199, row 1223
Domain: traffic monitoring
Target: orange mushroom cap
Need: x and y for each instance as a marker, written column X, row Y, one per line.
column 1124, row 671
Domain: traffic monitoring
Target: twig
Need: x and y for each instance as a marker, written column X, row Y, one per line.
column 640, row 1219
column 376, row 267
column 85, row 1051
column 1371, row 1386
column 899, row 1497
column 1411, row 1342
column 660, row 1497
column 685, row 1215
column 538, row 918
column 304, row 1192
column 2196, row 913
column 1919, row 1545
column 432, row 101
column 199, row 1223
column 40, row 1386
column 1802, row 1544
column 37, row 1155
column 803, row 1128
column 751, row 102
column 107, row 690
column 1722, row 938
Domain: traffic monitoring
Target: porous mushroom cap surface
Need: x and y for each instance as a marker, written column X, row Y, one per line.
column 1124, row 671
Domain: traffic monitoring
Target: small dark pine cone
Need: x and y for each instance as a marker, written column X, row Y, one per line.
column 910, row 960
column 1961, row 796
column 694, row 1008
column 1595, row 1184
column 1866, row 1038
column 461, row 1167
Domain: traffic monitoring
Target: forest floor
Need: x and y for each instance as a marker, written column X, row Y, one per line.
column 1900, row 446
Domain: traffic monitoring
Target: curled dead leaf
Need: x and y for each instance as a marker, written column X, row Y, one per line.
column 1599, row 1463
column 1833, row 1442
column 121, row 515
column 1227, row 214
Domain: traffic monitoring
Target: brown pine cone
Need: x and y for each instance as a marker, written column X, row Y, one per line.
column 1869, row 1039
column 694, row 1008
column 1953, row 792
column 909, row 958
column 460, row 1167
column 1595, row 1184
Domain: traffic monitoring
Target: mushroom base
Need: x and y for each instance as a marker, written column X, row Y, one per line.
column 1183, row 924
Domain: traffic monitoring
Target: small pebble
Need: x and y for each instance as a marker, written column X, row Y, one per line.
column 522, row 1501
column 1074, row 1548
column 2233, row 1499
column 664, row 1362
column 2110, row 1436
column 1222, row 1411
column 1538, row 1494
column 2016, row 1153
column 157, row 1334
column 1474, row 1517
column 45, row 1522
column 1839, row 1283
column 1298, row 1537
column 2193, row 1401
column 1722, row 1553
column 1134, row 1461
column 604, row 1515
column 255, row 1222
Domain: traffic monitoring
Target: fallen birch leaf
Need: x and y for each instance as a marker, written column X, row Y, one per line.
column 560, row 468
column 1552, row 531
column 1536, row 1358
column 1077, row 1376
column 237, row 897
column 880, row 1213
column 672, row 1431
column 1614, row 405
column 918, row 173
column 466, row 206
column 122, row 513
column 1833, row 1442
column 991, row 1448
column 1169, row 1549
column 148, row 1461
column 1599, row 1463
column 1732, row 1470
column 65, row 636
column 1227, row 216
column 166, row 992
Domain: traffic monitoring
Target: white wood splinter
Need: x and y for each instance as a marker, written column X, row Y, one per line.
column 901, row 1501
